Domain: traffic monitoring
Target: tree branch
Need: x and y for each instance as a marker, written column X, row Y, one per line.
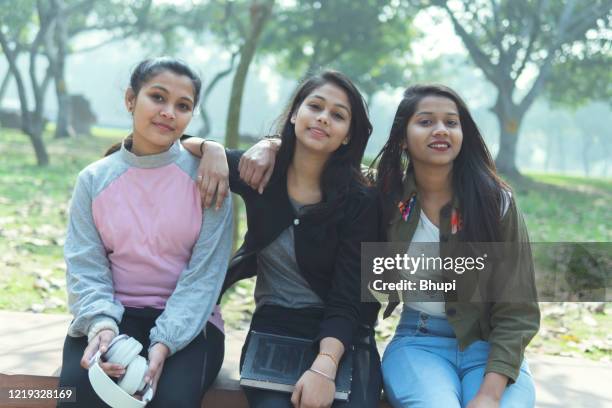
column 545, row 68
column 209, row 88
column 79, row 7
column 480, row 58
column 23, row 97
column 578, row 25
column 495, row 37
column 534, row 32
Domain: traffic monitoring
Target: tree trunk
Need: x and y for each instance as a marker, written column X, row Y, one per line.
column 586, row 143
column 4, row 85
column 509, row 118
column 35, row 135
column 549, row 147
column 260, row 13
column 63, row 123
column 206, row 126
column 63, row 127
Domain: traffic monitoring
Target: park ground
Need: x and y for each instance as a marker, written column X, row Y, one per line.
column 33, row 214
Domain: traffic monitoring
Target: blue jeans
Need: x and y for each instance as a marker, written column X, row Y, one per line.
column 423, row 367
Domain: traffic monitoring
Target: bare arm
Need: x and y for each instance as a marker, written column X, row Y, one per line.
column 213, row 172
column 316, row 387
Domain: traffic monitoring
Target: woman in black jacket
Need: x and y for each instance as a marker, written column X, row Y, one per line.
column 304, row 240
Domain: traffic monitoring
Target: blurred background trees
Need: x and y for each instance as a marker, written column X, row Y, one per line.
column 511, row 56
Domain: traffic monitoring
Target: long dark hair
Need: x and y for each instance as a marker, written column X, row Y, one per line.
column 474, row 181
column 344, row 165
column 147, row 69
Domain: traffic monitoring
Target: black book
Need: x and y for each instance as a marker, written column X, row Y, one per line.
column 276, row 363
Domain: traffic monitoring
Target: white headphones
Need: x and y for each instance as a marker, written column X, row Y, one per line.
column 123, row 350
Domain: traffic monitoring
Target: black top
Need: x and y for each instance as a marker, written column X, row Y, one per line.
column 328, row 240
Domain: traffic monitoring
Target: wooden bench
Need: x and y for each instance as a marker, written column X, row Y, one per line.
column 225, row 392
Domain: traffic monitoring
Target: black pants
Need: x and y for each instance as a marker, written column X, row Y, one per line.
column 186, row 375
column 367, row 379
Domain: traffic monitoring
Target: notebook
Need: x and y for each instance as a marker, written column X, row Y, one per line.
column 274, row 362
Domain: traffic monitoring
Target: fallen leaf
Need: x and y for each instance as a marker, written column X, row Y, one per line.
column 37, row 308
column 588, row 320
column 41, row 283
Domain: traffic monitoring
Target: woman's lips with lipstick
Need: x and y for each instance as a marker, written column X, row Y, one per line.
column 164, row 128
column 439, row 146
column 319, row 133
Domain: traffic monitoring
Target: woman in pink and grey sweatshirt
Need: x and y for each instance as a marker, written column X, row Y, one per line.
column 144, row 258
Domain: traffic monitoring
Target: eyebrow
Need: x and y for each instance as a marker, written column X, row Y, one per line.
column 165, row 90
column 431, row 113
column 340, row 105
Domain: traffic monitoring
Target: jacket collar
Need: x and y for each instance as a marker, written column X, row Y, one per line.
column 403, row 230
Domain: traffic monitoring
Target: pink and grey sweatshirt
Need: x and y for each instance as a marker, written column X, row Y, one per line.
column 138, row 237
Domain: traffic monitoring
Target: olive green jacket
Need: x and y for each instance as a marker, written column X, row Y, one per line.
column 508, row 326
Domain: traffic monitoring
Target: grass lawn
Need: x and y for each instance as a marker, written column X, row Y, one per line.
column 33, row 214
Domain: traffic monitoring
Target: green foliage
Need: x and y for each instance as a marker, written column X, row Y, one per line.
column 582, row 78
column 566, row 209
column 570, row 40
column 18, row 20
column 367, row 40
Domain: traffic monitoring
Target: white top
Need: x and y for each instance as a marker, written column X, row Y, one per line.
column 426, row 232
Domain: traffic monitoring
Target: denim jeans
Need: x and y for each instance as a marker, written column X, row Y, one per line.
column 423, row 367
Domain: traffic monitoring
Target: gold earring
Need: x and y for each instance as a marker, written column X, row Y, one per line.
column 345, row 142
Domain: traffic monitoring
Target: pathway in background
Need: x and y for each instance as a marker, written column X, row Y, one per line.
column 32, row 344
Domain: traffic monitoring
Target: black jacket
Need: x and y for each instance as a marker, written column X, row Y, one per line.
column 327, row 246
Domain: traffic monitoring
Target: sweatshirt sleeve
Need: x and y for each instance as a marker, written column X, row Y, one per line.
column 199, row 285
column 88, row 276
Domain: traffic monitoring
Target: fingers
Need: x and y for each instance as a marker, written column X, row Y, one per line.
column 105, row 338
column 213, row 180
column 210, row 192
column 113, row 370
column 241, row 164
column 154, row 372
column 151, row 371
column 297, row 395
column 205, row 187
column 265, row 179
column 89, row 352
column 246, row 168
column 222, row 192
column 257, row 176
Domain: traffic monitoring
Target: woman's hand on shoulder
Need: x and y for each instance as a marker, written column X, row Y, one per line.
column 213, row 174
column 257, row 164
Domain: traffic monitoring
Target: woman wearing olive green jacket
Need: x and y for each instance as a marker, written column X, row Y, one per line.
column 440, row 187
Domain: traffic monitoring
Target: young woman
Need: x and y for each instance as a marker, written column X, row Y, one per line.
column 137, row 263
column 303, row 242
column 439, row 185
